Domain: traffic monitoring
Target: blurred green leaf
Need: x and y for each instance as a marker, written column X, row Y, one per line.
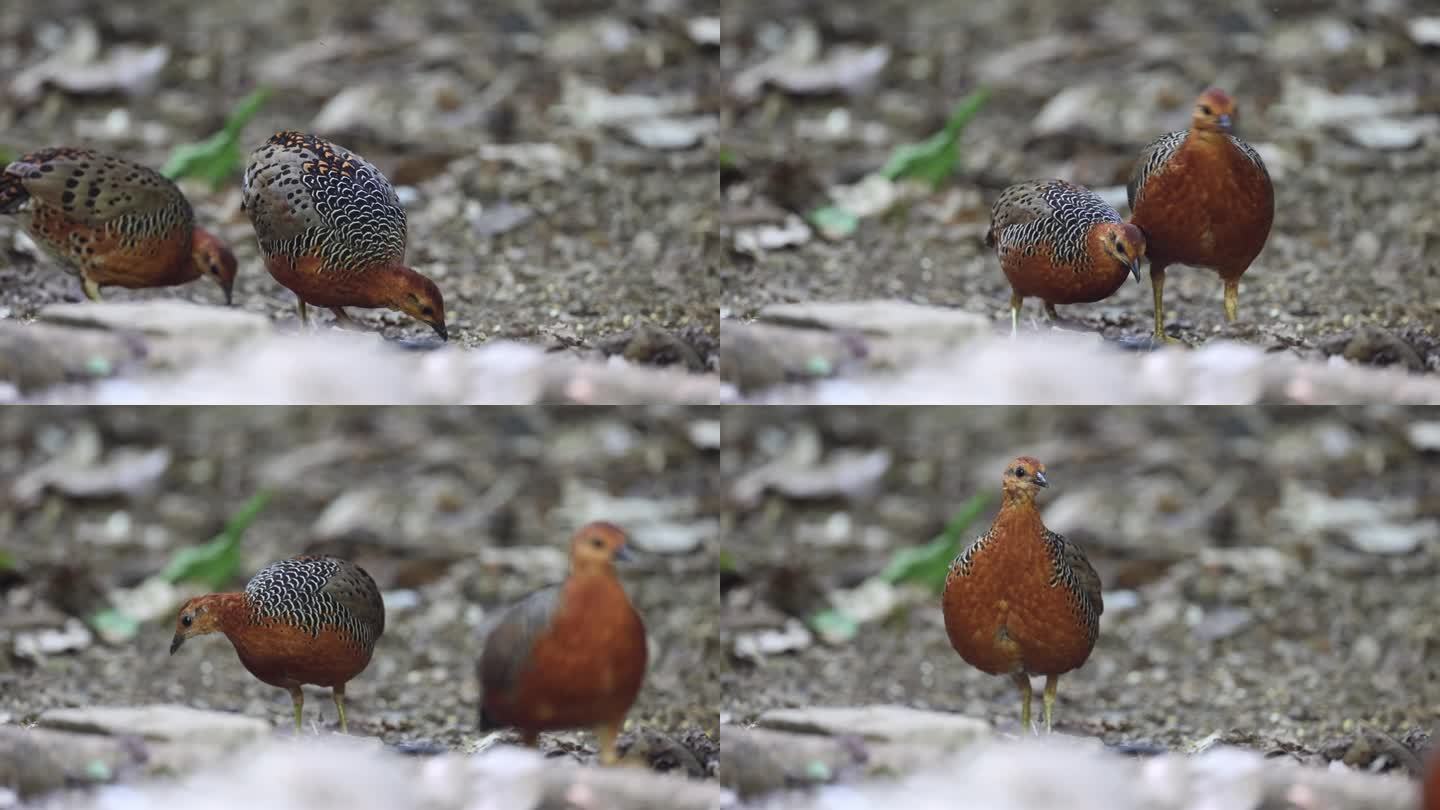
column 727, row 159
column 935, row 158
column 7, row 560
column 215, row 563
column 928, row 564
column 218, row 157
column 833, row 221
column 114, row 626
column 833, row 626
column 727, row 562
column 7, row 156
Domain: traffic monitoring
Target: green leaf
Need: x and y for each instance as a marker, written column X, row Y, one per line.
column 216, row 562
column 935, row 158
column 833, row 221
column 218, row 157
column 7, row 156
column 114, row 626
column 727, row 159
column 928, row 564
column 7, row 560
column 727, row 562
column 833, row 626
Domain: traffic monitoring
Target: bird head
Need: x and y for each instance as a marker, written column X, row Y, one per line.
column 1125, row 243
column 213, row 259
column 197, row 618
column 417, row 296
column 596, row 547
column 1214, row 112
column 1023, row 478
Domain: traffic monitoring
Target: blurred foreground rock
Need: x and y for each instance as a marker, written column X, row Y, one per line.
column 129, row 762
column 180, row 353
column 836, row 770
column 883, row 353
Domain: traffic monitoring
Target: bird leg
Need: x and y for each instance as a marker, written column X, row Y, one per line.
column 1023, row 681
column 1050, row 311
column 1052, row 683
column 1157, row 284
column 338, row 692
column 530, row 739
column 304, row 313
column 343, row 318
column 1232, row 298
column 607, row 734
column 1015, row 301
column 91, row 288
column 298, row 697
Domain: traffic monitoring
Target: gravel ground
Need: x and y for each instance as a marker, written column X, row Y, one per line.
column 580, row 239
column 1269, row 573
column 1076, row 91
column 455, row 512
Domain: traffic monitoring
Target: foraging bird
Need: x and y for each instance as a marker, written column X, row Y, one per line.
column 111, row 222
column 1022, row 600
column 1061, row 243
column 332, row 230
column 570, row 655
column 1203, row 197
column 303, row 620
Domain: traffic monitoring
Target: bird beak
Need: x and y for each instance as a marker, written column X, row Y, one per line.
column 229, row 297
column 1225, row 122
column 176, row 642
column 624, row 554
column 1041, row 479
column 440, row 330
column 1135, row 270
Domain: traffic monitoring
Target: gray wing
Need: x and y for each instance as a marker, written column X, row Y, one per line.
column 508, row 646
column 355, row 592
column 1018, row 205
column 1151, row 159
column 95, row 188
column 1073, row 570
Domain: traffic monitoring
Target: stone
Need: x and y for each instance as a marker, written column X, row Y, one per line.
column 158, row 723
column 880, row 723
column 162, row 317
column 899, row 319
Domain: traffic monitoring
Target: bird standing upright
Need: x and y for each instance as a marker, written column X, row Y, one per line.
column 1204, row 198
column 332, row 230
column 112, row 222
column 570, row 655
column 1061, row 243
column 303, row 620
column 1022, row 600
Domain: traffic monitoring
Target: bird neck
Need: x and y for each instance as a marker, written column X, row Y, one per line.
column 229, row 609
column 1022, row 499
column 1208, row 140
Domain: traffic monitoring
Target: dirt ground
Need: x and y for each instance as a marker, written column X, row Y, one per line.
column 1268, row 573
column 455, row 512
column 570, row 247
column 1355, row 243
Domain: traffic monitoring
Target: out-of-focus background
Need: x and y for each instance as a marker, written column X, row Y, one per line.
column 1340, row 98
column 554, row 158
column 456, row 513
column 1269, row 581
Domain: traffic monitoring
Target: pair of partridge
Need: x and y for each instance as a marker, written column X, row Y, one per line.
column 330, row 226
column 567, row 656
column 112, row 222
column 1200, row 197
column 1022, row 600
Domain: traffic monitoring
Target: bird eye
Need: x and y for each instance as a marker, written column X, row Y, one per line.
column 597, row 542
column 1019, row 472
column 427, row 310
column 186, row 620
column 1205, row 108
